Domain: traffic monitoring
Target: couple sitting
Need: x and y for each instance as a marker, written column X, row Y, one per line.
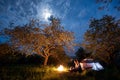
column 76, row 67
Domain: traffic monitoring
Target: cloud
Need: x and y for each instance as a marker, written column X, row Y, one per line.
column 66, row 7
column 59, row 8
column 24, row 10
column 18, row 11
column 82, row 13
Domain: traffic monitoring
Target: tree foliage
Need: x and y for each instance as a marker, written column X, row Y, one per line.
column 60, row 58
column 7, row 54
column 40, row 38
column 106, row 3
column 81, row 54
column 103, row 37
column 5, row 49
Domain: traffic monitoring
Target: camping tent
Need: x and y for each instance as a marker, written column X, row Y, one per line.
column 90, row 64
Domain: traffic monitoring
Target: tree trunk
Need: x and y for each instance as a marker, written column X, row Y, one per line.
column 46, row 60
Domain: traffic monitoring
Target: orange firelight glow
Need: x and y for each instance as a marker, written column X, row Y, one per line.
column 60, row 68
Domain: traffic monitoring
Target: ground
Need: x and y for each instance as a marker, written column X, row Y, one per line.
column 29, row 72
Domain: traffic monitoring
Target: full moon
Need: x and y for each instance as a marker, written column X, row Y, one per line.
column 46, row 14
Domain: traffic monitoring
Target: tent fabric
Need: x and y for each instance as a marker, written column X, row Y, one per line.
column 90, row 64
column 97, row 66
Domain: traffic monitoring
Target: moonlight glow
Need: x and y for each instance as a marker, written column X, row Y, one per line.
column 46, row 13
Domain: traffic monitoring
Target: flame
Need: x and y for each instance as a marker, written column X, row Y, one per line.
column 60, row 68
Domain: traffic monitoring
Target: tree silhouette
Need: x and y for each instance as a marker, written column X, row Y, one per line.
column 81, row 53
column 103, row 38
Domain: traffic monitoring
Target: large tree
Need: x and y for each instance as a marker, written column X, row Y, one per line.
column 40, row 39
column 103, row 38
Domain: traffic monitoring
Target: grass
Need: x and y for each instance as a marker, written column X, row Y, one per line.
column 29, row 72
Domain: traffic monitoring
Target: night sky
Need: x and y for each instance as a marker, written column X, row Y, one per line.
column 75, row 15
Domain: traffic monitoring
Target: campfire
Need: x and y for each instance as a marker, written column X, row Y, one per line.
column 61, row 68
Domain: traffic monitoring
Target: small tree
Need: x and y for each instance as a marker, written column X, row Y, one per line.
column 7, row 54
column 5, row 49
column 40, row 39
